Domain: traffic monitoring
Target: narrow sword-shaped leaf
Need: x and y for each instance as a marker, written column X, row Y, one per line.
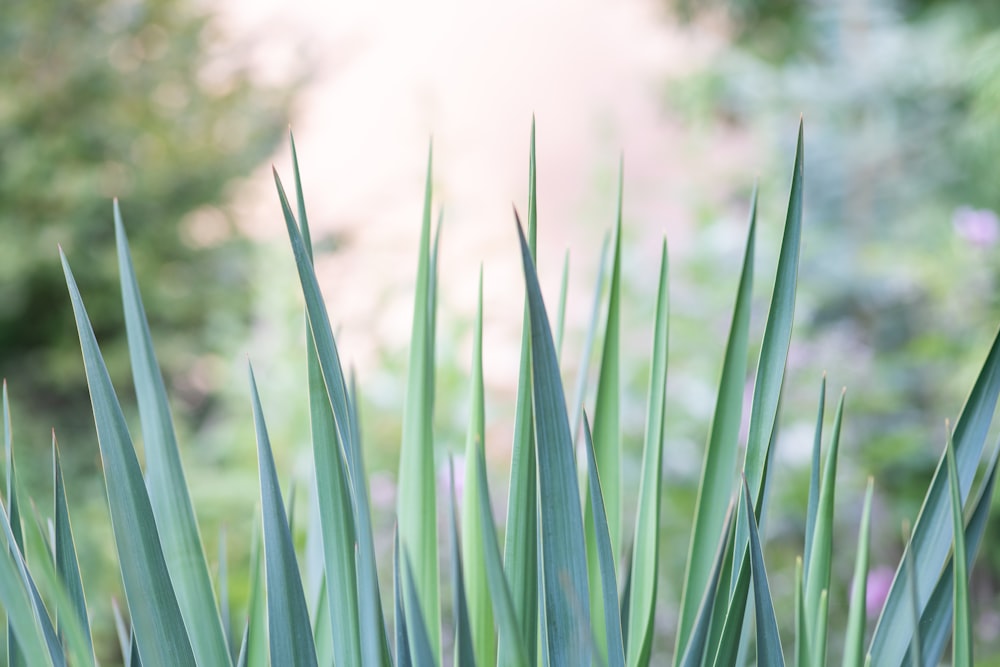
column 255, row 634
column 643, row 570
column 608, row 584
column 802, row 657
column 961, row 640
column 561, row 318
column 464, row 647
column 854, row 636
column 814, row 478
column 477, row 589
column 565, row 597
column 820, row 631
column 768, row 642
column 420, row 641
column 928, row 548
column 719, row 467
column 402, row 637
column 289, row 634
column 159, row 628
column 15, row 658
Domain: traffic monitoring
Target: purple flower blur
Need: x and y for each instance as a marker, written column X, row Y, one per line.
column 978, row 227
column 879, row 582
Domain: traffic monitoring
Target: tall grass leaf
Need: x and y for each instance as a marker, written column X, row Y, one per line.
column 371, row 622
column 854, row 635
column 242, row 659
column 160, row 631
column 696, row 647
column 914, row 653
column 561, row 319
column 477, row 589
column 817, row 578
column 289, row 634
column 608, row 584
column 820, row 630
column 67, row 564
column 929, row 544
column 255, row 635
column 583, row 375
column 802, row 658
column 520, row 556
column 168, row 489
column 420, row 641
column 223, row 581
column 417, row 496
column 719, row 467
column 464, row 647
column 14, row 654
column 122, row 632
column 936, row 621
column 735, row 618
column 565, row 596
column 768, row 642
column 334, row 494
column 814, row 479
column 961, row 641
column 644, row 565
column 402, row 635
column 513, row 648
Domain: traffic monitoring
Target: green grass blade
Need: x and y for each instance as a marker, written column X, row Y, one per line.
column 820, row 631
column 464, row 648
column 512, row 646
column 371, row 622
column 608, row 584
column 768, row 642
column 929, row 544
column 814, row 479
column 521, row 544
column 156, row 618
column 734, row 625
column 561, row 319
column 402, row 636
column 719, row 467
column 607, row 439
column 242, row 660
column 168, row 490
column 420, row 641
column 961, row 642
column 801, row 635
column 936, row 621
column 817, row 577
column 565, row 597
column 643, row 570
column 15, row 656
column 854, row 636
column 696, row 647
column 913, row 608
column 255, row 633
column 417, row 496
column 289, row 632
column 477, row 590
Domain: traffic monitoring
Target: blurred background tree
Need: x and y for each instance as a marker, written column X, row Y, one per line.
column 144, row 100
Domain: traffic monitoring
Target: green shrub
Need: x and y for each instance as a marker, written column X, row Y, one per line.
column 572, row 586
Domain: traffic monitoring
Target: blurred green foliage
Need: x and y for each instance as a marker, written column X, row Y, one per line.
column 144, row 100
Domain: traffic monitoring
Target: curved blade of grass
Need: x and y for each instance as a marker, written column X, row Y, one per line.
column 14, row 653
column 520, row 557
column 854, row 636
column 820, row 630
column 814, row 479
column 719, row 467
column 817, row 578
column 417, row 497
column 768, row 642
column 289, row 632
column 512, row 645
column 696, row 648
column 255, row 633
column 477, row 590
column 402, row 635
column 156, row 618
column 420, row 641
column 961, row 641
column 643, row 570
column 583, row 375
column 914, row 653
column 936, row 622
column 565, row 597
column 464, row 648
column 168, row 490
column 608, row 584
column 607, row 440
column 373, row 634
column 561, row 318
column 334, row 494
column 21, row 602
column 242, row 659
column 928, row 548
column 801, row 636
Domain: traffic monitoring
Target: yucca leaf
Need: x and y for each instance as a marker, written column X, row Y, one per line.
column 696, row 648
column 607, row 438
column 255, row 639
column 820, row 630
column 464, row 647
column 477, row 590
column 814, row 479
column 14, row 654
column 67, row 564
column 27, row 627
column 565, row 597
column 719, row 467
column 512, row 645
column 644, row 565
column 168, row 490
column 608, row 584
column 520, row 559
column 159, row 628
column 373, row 636
column 289, row 634
column 936, row 621
column 242, row 659
column 961, row 641
column 734, row 619
column 417, row 495
column 402, row 636
column 561, row 319
column 420, row 641
column 854, row 636
column 768, row 642
column 802, row 658
column 928, row 548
